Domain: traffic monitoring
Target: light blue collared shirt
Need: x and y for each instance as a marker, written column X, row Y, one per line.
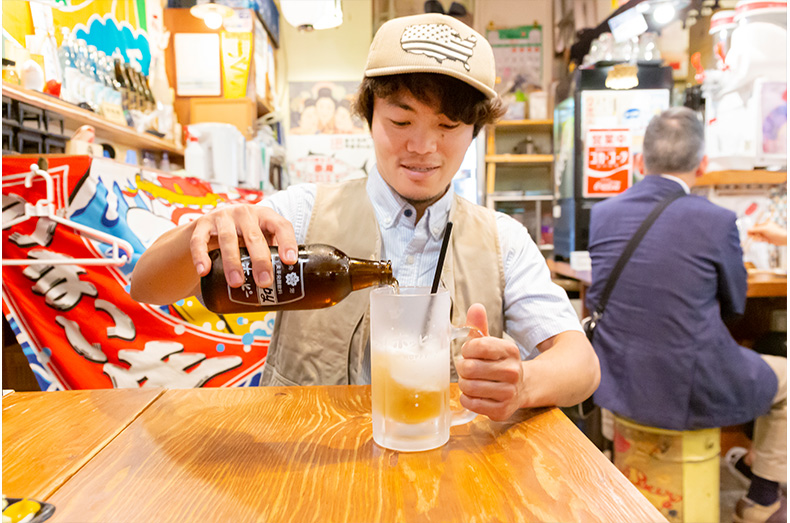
column 534, row 307
column 678, row 180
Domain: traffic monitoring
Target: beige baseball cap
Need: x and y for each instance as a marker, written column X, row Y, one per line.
column 433, row 43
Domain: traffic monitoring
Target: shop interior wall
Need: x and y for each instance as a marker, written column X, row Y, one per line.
column 514, row 13
column 337, row 54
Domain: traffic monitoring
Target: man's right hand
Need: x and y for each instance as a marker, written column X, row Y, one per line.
column 170, row 269
column 253, row 226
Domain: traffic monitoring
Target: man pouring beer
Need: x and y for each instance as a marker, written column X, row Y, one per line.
column 427, row 92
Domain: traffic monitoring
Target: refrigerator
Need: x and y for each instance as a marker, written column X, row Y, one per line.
column 597, row 132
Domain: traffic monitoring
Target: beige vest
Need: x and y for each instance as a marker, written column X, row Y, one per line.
column 326, row 346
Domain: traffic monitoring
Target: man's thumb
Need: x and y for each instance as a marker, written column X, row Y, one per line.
column 476, row 317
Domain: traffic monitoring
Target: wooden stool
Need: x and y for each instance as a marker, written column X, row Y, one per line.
column 677, row 471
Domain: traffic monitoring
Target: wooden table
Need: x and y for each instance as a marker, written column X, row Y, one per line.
column 759, row 284
column 300, row 454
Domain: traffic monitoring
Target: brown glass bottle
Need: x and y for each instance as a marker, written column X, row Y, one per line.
column 321, row 277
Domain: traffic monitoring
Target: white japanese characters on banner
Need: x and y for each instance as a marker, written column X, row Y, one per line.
column 608, row 164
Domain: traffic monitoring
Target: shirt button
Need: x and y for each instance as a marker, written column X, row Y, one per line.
column 407, row 213
column 410, row 260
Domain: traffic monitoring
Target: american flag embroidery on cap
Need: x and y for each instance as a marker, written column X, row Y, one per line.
column 439, row 41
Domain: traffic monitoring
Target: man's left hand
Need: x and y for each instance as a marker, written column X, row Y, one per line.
column 490, row 373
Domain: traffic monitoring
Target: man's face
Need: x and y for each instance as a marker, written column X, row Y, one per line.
column 418, row 149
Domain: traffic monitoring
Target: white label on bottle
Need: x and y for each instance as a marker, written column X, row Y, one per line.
column 287, row 285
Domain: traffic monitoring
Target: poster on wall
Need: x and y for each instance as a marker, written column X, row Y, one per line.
column 772, row 112
column 607, row 164
column 197, row 64
column 323, row 108
column 518, row 52
column 325, row 142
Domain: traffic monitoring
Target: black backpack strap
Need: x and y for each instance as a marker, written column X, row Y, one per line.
column 629, row 250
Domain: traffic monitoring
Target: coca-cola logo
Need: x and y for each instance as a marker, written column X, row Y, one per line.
column 607, row 185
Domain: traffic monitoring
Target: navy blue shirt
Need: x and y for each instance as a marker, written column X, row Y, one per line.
column 667, row 357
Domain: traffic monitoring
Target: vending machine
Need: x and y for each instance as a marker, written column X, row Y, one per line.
column 596, row 134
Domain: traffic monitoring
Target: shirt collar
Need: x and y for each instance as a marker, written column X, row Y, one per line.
column 390, row 206
column 681, row 182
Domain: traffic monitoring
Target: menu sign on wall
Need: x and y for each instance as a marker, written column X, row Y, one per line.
column 607, row 164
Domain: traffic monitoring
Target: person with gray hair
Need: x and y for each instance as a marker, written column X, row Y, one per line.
column 674, row 142
column 667, row 357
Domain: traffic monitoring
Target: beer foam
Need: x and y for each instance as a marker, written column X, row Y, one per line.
column 422, row 369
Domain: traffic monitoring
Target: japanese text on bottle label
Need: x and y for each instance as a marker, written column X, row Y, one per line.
column 288, row 284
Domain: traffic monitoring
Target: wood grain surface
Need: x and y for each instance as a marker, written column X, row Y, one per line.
column 49, row 436
column 305, row 454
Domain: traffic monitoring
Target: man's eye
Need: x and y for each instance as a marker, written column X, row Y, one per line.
column 450, row 125
column 399, row 124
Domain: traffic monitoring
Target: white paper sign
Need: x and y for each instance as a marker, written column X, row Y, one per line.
column 197, row 64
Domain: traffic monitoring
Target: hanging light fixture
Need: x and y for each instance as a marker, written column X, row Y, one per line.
column 662, row 11
column 211, row 13
column 622, row 76
column 307, row 15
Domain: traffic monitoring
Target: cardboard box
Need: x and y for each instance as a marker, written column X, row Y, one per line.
column 240, row 112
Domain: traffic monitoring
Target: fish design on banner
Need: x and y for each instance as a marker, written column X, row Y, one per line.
column 76, row 323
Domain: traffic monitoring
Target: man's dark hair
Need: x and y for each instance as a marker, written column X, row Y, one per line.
column 674, row 142
column 457, row 100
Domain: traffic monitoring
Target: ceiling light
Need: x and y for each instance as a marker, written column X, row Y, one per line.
column 211, row 13
column 621, row 76
column 664, row 13
column 307, row 15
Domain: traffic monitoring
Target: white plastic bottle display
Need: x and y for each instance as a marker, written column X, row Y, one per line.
column 68, row 91
column 195, row 158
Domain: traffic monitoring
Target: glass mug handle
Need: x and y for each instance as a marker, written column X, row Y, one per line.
column 462, row 416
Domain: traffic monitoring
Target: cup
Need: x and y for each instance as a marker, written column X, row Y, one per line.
column 410, row 335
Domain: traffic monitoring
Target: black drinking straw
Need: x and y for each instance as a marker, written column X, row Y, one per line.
column 437, row 275
column 445, row 241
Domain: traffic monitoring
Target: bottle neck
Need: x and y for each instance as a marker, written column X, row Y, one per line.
column 366, row 273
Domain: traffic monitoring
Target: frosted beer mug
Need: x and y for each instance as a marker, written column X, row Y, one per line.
column 410, row 335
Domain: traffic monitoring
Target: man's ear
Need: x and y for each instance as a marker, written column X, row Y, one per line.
column 639, row 163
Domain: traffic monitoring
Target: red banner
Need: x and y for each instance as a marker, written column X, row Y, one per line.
column 77, row 324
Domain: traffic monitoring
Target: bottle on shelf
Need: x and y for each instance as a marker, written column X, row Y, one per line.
column 164, row 165
column 108, row 75
column 85, row 83
column 321, row 277
column 135, row 104
column 99, row 89
column 195, row 157
column 148, row 160
column 66, row 57
column 135, row 75
column 120, row 82
column 149, row 95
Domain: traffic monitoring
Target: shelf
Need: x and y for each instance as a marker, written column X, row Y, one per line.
column 520, row 158
column 524, row 123
column 757, row 176
column 498, row 197
column 75, row 117
column 263, row 107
